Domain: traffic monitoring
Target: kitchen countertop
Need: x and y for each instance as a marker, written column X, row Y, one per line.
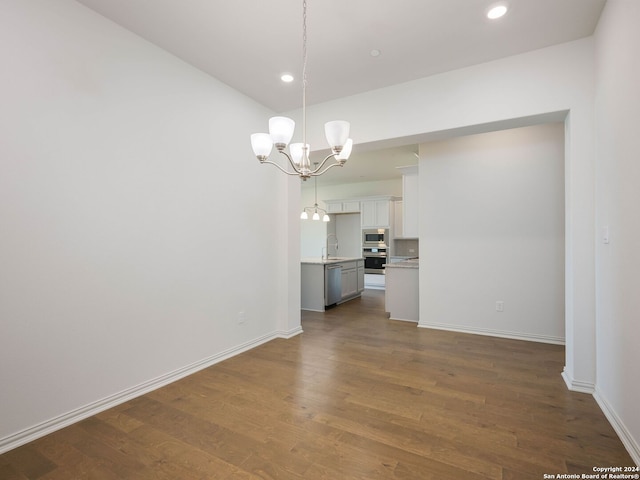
column 329, row 261
column 412, row 263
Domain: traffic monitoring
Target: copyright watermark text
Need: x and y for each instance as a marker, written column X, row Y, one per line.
column 599, row 473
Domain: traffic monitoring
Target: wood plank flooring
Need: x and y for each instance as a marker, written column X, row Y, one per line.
column 356, row 396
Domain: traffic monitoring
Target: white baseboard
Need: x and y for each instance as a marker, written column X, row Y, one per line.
column 289, row 333
column 410, row 320
column 577, row 385
column 529, row 337
column 625, row 436
column 74, row 416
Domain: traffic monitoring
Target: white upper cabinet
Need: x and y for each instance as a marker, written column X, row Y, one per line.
column 376, row 213
column 410, row 202
column 343, row 206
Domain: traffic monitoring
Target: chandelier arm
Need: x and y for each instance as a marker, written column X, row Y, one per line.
column 319, row 167
column 297, row 169
column 316, row 173
column 280, row 168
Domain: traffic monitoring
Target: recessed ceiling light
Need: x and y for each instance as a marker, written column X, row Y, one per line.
column 497, row 11
column 375, row 52
column 287, row 78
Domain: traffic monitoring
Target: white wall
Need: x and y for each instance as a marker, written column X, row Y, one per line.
column 550, row 83
column 618, row 199
column 130, row 207
column 113, row 236
column 522, row 90
column 492, row 216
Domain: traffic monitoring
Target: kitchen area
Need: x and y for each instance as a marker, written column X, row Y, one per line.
column 369, row 242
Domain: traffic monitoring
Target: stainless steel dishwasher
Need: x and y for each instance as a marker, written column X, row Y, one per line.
column 332, row 284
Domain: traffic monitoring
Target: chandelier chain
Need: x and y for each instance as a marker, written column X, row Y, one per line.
column 316, row 187
column 304, row 75
column 281, row 133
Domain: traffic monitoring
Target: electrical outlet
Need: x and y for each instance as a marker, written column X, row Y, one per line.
column 241, row 318
column 499, row 306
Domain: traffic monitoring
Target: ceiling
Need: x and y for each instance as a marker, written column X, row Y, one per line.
column 248, row 44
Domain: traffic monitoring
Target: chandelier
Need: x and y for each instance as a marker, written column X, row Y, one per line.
column 281, row 133
column 316, row 216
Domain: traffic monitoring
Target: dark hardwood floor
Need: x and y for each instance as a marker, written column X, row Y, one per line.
column 356, row 396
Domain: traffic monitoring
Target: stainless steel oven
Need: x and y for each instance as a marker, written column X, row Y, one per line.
column 375, row 259
column 375, row 238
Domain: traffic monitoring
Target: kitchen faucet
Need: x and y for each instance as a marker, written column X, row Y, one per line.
column 335, row 244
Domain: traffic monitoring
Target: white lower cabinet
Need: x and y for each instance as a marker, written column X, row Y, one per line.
column 360, row 269
column 315, row 288
column 352, row 279
column 349, row 282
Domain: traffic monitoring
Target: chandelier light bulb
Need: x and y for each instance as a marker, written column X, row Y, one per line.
column 316, row 216
column 337, row 133
column 297, row 152
column 261, row 144
column 303, row 215
column 346, row 151
column 281, row 130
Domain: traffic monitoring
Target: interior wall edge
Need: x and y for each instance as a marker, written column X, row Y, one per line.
column 577, row 385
